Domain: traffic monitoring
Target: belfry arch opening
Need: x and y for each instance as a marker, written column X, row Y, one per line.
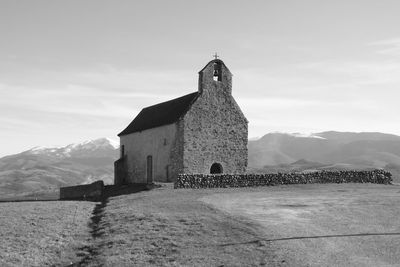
column 216, row 168
column 217, row 73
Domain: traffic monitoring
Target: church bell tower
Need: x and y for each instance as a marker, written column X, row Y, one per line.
column 215, row 77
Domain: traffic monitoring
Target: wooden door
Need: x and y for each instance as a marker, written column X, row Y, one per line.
column 149, row 169
column 168, row 173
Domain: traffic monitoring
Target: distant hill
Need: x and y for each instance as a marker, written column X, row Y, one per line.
column 49, row 168
column 326, row 150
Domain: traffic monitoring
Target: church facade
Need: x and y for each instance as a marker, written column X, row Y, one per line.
column 202, row 132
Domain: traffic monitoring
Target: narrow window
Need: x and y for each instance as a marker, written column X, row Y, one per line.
column 165, row 141
column 122, row 151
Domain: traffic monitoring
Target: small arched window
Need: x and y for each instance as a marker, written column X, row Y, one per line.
column 216, row 168
column 122, row 151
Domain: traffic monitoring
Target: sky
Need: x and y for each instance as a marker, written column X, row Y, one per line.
column 77, row 70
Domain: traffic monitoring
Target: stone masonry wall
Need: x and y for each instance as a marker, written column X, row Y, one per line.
column 215, row 129
column 248, row 180
column 177, row 151
column 93, row 191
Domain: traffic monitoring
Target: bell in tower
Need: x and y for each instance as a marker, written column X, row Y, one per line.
column 217, row 75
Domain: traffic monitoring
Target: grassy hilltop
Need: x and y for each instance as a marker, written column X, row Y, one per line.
column 296, row 225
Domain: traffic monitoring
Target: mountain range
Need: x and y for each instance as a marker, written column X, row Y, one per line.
column 47, row 168
column 322, row 151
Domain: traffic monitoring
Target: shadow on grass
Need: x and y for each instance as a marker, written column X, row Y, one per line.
column 109, row 191
column 310, row 237
column 118, row 190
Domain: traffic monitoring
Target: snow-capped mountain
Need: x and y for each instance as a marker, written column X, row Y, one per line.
column 42, row 168
column 306, row 135
column 92, row 147
column 326, row 150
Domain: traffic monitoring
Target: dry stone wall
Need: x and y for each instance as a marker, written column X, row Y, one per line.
column 93, row 191
column 248, row 180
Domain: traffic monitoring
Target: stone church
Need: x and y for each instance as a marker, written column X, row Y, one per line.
column 202, row 132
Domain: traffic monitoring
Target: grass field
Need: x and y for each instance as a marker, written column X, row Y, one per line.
column 296, row 225
column 323, row 225
column 43, row 233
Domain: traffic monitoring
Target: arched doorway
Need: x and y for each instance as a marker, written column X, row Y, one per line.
column 216, row 168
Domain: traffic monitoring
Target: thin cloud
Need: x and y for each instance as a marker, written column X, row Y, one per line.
column 389, row 47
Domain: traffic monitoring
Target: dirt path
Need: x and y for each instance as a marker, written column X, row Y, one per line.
column 90, row 253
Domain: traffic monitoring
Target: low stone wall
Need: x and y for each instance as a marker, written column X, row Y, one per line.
column 93, row 191
column 245, row 180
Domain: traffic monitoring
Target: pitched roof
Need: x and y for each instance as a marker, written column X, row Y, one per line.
column 160, row 114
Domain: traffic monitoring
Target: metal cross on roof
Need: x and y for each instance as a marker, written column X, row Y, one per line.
column 215, row 55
